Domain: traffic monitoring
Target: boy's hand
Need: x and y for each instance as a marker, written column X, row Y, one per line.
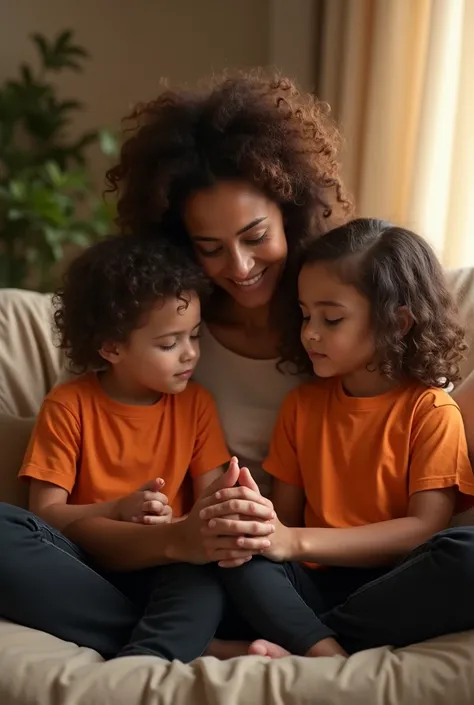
column 146, row 506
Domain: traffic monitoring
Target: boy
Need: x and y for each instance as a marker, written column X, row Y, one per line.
column 128, row 317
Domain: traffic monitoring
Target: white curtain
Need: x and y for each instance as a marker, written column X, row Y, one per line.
column 399, row 76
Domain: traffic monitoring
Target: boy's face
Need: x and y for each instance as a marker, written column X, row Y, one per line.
column 160, row 355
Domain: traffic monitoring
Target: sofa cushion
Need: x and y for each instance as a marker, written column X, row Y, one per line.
column 39, row 669
column 461, row 284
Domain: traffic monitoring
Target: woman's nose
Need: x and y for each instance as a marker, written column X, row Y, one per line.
column 240, row 265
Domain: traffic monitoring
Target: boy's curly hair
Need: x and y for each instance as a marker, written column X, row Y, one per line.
column 249, row 127
column 111, row 286
column 393, row 267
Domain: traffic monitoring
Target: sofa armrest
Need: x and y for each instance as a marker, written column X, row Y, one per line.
column 14, row 436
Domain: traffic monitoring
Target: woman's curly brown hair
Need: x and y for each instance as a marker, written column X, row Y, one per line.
column 393, row 267
column 110, row 287
column 259, row 129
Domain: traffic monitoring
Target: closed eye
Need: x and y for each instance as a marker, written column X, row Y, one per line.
column 215, row 253
column 209, row 253
column 332, row 321
column 258, row 240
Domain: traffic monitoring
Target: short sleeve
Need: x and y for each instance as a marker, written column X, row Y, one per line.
column 438, row 449
column 53, row 451
column 210, row 450
column 282, row 460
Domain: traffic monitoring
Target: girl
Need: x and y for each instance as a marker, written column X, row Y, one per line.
column 369, row 459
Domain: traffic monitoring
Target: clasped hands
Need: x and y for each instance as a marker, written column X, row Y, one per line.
column 238, row 523
column 228, row 524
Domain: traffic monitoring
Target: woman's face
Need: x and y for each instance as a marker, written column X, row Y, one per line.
column 239, row 240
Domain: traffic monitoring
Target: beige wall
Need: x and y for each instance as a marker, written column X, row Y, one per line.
column 294, row 36
column 134, row 44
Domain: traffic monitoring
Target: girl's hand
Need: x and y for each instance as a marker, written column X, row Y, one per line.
column 197, row 543
column 244, row 500
column 241, row 512
column 282, row 546
column 281, row 540
column 148, row 505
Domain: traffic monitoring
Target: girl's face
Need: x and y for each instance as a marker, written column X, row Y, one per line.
column 239, row 240
column 337, row 330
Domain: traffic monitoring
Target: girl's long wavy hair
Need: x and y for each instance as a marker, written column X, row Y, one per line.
column 392, row 267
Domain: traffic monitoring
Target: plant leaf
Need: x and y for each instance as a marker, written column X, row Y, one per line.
column 43, row 47
column 108, row 142
column 63, row 39
column 18, row 190
column 53, row 238
column 80, row 238
column 14, row 214
column 54, row 173
column 26, row 74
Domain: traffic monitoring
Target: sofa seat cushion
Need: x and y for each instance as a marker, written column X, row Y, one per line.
column 38, row 669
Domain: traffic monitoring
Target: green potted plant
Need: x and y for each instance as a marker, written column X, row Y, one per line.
column 47, row 200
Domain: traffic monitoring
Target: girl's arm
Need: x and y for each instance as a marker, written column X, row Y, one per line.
column 374, row 544
column 382, row 543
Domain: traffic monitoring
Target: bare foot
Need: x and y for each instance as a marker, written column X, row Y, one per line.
column 261, row 647
column 326, row 647
column 227, row 649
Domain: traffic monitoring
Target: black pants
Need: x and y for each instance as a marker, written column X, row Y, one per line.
column 47, row 583
column 429, row 594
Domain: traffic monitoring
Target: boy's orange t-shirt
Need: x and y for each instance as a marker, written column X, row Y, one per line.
column 98, row 449
column 360, row 459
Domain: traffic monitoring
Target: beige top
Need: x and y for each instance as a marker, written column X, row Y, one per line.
column 248, row 394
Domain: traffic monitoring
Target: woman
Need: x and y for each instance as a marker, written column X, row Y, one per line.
column 242, row 174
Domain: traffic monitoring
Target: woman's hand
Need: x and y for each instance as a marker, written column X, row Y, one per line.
column 148, row 505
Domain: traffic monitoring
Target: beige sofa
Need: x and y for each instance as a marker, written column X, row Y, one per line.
column 38, row 669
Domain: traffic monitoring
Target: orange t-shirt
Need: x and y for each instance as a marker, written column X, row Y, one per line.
column 360, row 459
column 98, row 449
